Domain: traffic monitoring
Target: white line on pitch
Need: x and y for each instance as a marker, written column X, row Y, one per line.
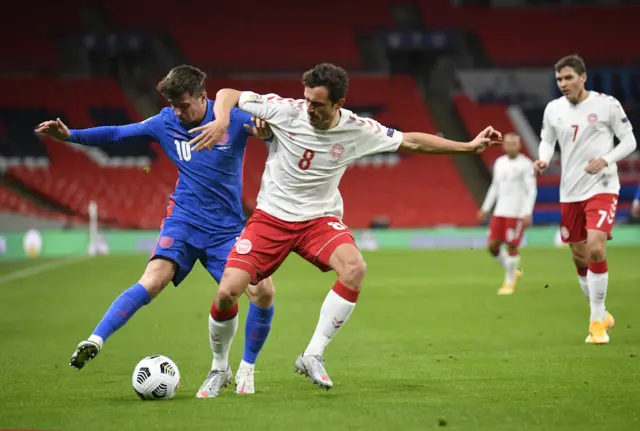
column 38, row 269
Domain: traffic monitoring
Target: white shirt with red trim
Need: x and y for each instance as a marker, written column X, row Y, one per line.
column 305, row 164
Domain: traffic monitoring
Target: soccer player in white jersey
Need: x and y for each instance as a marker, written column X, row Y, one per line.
column 584, row 123
column 299, row 206
column 513, row 192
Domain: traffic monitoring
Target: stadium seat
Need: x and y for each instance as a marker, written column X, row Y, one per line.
column 515, row 36
column 127, row 196
column 266, row 36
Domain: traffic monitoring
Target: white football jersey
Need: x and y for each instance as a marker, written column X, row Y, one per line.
column 305, row 164
column 513, row 188
column 585, row 131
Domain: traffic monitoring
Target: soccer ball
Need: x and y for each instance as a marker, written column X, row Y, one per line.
column 156, row 378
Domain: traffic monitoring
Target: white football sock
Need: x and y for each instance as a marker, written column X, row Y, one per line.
column 511, row 266
column 598, row 289
column 220, row 337
column 582, row 279
column 334, row 313
column 501, row 258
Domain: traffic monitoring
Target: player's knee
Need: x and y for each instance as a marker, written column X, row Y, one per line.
column 512, row 249
column 232, row 285
column 263, row 293
column 597, row 252
column 353, row 271
column 157, row 275
column 494, row 248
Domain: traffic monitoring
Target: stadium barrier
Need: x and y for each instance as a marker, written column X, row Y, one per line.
column 65, row 243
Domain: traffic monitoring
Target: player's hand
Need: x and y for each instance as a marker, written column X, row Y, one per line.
column 210, row 134
column 527, row 221
column 260, row 130
column 482, row 215
column 635, row 209
column 55, row 128
column 539, row 166
column 596, row 165
column 488, row 136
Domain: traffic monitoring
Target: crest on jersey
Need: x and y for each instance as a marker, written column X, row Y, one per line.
column 592, row 118
column 165, row 241
column 255, row 98
column 243, row 246
column 337, row 151
column 223, row 143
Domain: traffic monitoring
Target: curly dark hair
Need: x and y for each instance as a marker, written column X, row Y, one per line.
column 573, row 61
column 182, row 79
column 334, row 78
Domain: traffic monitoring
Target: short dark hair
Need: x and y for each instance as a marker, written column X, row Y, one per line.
column 334, row 78
column 573, row 61
column 182, row 79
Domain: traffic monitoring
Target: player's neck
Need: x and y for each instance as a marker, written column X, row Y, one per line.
column 334, row 120
column 582, row 96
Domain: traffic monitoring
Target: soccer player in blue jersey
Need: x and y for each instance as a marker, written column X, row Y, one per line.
column 203, row 220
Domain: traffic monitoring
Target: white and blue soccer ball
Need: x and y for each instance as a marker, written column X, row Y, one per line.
column 156, row 378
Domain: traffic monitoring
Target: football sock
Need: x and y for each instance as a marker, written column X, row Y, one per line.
column 335, row 311
column 222, row 328
column 582, row 280
column 121, row 310
column 501, row 257
column 597, row 279
column 511, row 266
column 256, row 331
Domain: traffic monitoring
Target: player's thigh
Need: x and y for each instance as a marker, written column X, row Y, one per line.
column 600, row 213
column 174, row 245
column 322, row 237
column 497, row 230
column 264, row 244
column 216, row 253
column 573, row 222
column 514, row 231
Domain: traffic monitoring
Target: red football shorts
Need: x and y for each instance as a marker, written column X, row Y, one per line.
column 267, row 241
column 507, row 230
column 596, row 213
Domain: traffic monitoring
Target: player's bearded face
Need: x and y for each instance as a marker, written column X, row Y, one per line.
column 570, row 83
column 320, row 109
column 190, row 109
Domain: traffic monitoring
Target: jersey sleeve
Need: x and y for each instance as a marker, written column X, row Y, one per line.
column 547, row 132
column 142, row 132
column 270, row 107
column 618, row 120
column 375, row 138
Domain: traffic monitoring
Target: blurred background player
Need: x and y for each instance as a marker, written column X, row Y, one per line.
column 584, row 124
column 299, row 206
column 635, row 205
column 204, row 217
column 513, row 192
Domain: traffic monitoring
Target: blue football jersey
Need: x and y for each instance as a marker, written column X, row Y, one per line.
column 209, row 189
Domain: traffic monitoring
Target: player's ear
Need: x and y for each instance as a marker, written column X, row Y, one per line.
column 340, row 103
column 203, row 96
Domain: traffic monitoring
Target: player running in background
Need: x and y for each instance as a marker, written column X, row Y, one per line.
column 584, row 123
column 204, row 217
column 299, row 206
column 513, row 192
column 635, row 205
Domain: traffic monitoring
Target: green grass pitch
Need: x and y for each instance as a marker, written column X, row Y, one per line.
column 430, row 346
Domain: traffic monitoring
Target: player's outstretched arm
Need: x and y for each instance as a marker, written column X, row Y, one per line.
column 137, row 132
column 432, row 144
column 635, row 206
column 226, row 99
